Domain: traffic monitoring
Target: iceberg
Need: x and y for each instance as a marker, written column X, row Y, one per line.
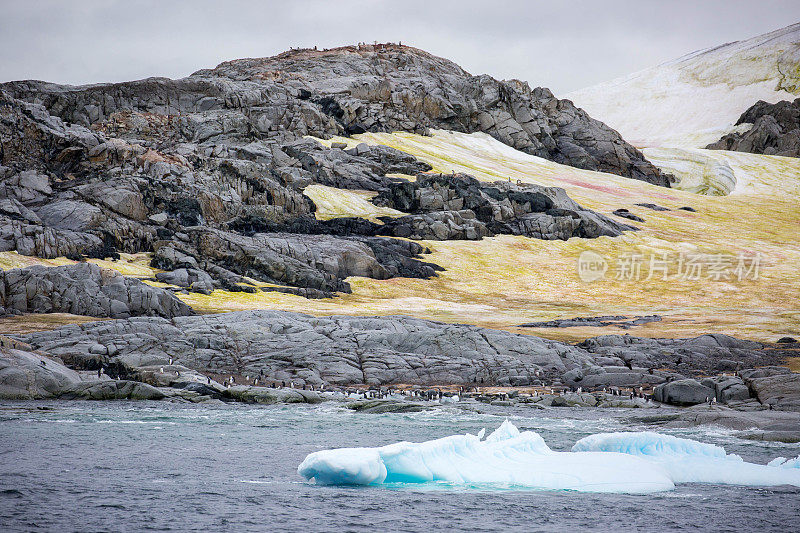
column 689, row 461
column 633, row 463
column 506, row 457
column 782, row 462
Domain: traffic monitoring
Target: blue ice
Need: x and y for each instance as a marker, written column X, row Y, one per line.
column 635, row 462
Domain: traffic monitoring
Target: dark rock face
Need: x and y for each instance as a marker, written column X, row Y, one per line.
column 363, row 167
column 683, row 392
column 775, row 130
column 624, row 213
column 84, row 289
column 654, row 207
column 115, row 194
column 458, row 206
column 317, row 264
column 217, row 213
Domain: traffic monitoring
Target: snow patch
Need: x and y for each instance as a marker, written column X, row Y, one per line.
column 696, row 99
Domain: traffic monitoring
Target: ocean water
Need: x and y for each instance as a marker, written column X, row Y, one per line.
column 141, row 466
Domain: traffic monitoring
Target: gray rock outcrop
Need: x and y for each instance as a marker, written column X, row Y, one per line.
column 775, row 130
column 728, row 389
column 683, row 392
column 615, row 376
column 171, row 166
column 69, row 191
column 780, row 391
column 458, row 206
column 267, row 395
column 316, row 351
column 699, row 356
column 286, row 347
column 84, row 289
column 283, row 349
column 111, row 390
column 25, row 375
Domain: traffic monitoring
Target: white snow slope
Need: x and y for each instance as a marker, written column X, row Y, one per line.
column 693, row 100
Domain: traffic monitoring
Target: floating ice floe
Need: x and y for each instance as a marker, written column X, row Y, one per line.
column 635, row 463
column 689, row 461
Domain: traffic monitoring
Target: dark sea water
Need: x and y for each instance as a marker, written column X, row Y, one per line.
column 142, row 466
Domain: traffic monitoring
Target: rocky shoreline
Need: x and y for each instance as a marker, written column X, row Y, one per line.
column 397, row 362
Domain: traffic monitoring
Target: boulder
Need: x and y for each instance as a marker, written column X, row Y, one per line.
column 774, row 130
column 778, row 391
column 25, row 375
column 192, row 279
column 683, row 392
column 266, row 395
column 728, row 388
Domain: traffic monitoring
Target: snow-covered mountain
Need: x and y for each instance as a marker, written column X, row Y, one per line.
column 693, row 100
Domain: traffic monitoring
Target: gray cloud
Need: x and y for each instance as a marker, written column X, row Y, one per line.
column 563, row 45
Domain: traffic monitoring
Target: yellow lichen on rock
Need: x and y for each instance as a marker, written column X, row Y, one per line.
column 334, row 203
column 507, row 280
column 132, row 265
column 504, row 281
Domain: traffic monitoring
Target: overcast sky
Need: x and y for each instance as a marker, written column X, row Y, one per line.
column 563, row 45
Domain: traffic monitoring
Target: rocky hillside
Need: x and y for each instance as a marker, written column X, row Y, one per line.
column 774, row 130
column 208, row 172
column 343, row 91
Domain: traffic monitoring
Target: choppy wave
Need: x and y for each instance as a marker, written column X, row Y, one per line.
column 635, row 462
